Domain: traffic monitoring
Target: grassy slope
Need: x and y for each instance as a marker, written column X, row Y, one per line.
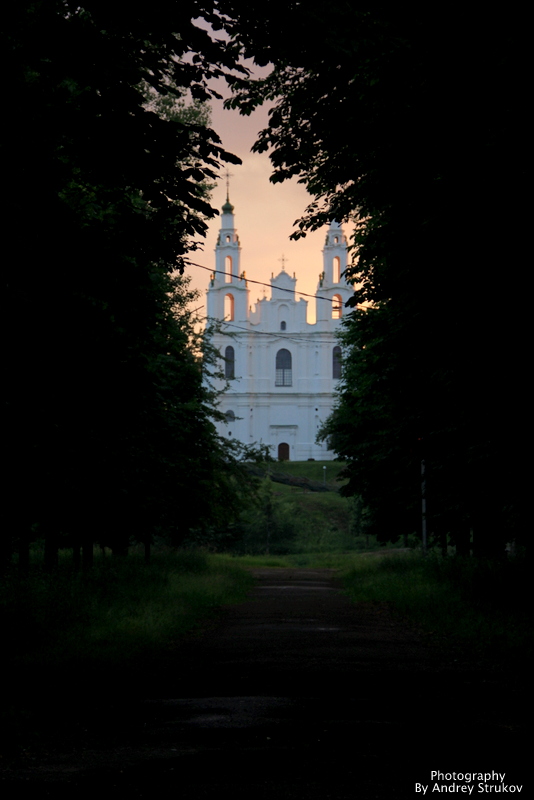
column 302, row 523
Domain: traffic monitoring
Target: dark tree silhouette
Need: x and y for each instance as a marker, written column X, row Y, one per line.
column 109, row 422
column 414, row 123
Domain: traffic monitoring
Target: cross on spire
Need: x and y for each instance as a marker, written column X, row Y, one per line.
column 283, row 261
column 228, row 175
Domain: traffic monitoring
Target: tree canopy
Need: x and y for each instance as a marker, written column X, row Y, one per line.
column 413, row 123
column 410, row 122
column 110, row 423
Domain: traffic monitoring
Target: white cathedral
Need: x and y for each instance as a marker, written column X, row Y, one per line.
column 282, row 370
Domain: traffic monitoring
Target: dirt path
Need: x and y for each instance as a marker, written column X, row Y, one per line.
column 297, row 693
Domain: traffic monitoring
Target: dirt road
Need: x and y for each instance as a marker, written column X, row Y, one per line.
column 296, row 693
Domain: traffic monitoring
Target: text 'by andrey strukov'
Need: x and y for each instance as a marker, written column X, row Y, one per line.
column 467, row 783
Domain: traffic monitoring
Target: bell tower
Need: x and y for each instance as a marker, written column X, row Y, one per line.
column 332, row 284
column 228, row 292
column 228, row 249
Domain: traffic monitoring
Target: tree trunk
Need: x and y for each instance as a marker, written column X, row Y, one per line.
column 24, row 553
column 51, row 550
column 462, row 540
column 87, row 553
column 488, row 539
column 76, row 556
column 6, row 549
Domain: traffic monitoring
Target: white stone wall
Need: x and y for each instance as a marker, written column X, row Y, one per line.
column 267, row 413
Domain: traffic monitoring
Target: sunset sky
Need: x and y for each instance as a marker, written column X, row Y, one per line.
column 264, row 212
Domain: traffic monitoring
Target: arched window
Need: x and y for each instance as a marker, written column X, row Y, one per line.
column 230, row 416
column 283, row 368
column 336, row 362
column 229, row 307
column 229, row 365
column 283, row 326
column 336, row 269
column 336, row 239
column 228, row 237
column 228, row 269
column 337, row 306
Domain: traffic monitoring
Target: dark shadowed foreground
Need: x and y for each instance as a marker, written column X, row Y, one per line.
column 297, row 693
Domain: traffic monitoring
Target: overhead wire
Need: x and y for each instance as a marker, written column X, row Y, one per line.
column 280, row 288
column 262, row 283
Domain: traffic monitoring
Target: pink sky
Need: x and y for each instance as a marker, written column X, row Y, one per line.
column 264, row 213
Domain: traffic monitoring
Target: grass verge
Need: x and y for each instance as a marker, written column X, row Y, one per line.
column 76, row 642
column 120, row 609
column 476, row 610
column 309, row 560
column 313, row 470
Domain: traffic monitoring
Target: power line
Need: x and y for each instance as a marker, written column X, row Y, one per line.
column 261, row 283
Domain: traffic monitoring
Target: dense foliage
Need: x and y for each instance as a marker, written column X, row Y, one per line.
column 110, row 422
column 413, row 123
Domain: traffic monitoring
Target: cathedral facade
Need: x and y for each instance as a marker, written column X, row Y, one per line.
column 281, row 370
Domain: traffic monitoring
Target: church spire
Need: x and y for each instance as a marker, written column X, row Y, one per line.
column 228, row 293
column 228, row 207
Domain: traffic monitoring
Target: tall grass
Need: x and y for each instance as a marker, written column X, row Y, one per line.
column 116, row 612
column 76, row 645
column 311, row 560
column 476, row 609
